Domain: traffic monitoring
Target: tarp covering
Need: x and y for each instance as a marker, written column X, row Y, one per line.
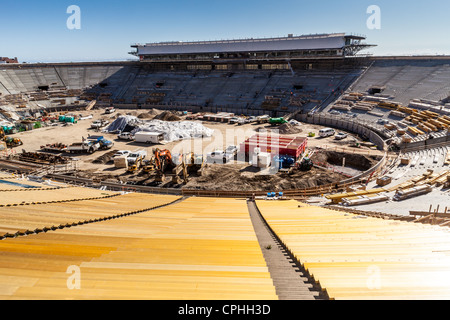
column 121, row 122
column 172, row 130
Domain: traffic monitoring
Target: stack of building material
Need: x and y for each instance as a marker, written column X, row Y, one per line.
column 366, row 199
column 341, row 107
column 412, row 192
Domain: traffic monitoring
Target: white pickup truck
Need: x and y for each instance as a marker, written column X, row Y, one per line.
column 97, row 124
column 134, row 156
column 125, row 136
column 222, row 157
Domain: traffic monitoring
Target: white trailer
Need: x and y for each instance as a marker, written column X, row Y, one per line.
column 149, row 137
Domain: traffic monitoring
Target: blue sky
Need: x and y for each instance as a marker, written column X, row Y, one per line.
column 36, row 31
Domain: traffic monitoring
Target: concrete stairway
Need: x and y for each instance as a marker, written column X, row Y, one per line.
column 289, row 281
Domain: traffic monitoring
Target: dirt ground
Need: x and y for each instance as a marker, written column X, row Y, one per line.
column 240, row 178
column 224, row 135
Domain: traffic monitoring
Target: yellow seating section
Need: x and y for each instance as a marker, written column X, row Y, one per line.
column 30, row 217
column 201, row 248
column 355, row 257
column 47, row 195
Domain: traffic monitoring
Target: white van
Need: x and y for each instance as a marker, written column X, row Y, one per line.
column 327, row 132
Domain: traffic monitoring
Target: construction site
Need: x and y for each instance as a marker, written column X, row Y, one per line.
column 219, row 172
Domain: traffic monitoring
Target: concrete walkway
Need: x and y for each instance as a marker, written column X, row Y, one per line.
column 289, row 281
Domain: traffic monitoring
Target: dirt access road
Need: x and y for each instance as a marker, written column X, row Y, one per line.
column 224, row 135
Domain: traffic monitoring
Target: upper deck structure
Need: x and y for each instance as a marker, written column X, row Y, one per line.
column 291, row 47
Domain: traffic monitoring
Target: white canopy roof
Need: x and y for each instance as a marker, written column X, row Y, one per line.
column 290, row 43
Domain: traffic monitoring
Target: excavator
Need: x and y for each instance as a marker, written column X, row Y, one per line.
column 163, row 163
column 176, row 173
column 194, row 163
column 187, row 164
column 10, row 142
column 148, row 165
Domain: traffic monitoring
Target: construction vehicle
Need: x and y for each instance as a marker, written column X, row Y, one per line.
column 194, row 163
column 303, row 164
column 284, row 161
column 306, row 164
column 125, row 136
column 136, row 165
column 275, row 121
column 181, row 168
column 263, row 119
column 85, row 146
column 97, row 124
column 148, row 165
column 163, row 163
column 104, row 144
column 136, row 155
column 110, row 110
column 10, row 142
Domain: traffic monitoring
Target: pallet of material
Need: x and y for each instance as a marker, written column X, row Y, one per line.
column 439, row 124
column 440, row 179
column 443, row 120
column 420, row 105
column 413, row 120
column 428, row 179
column 431, row 126
column 396, row 113
column 350, row 98
column 405, row 160
column 401, row 132
column 387, row 105
column 341, row 107
column 336, row 198
column 406, row 110
column 390, row 126
column 421, row 116
column 362, row 107
column 431, row 114
column 356, row 94
column 364, row 200
column 378, row 114
column 415, row 131
column 346, row 103
column 406, row 139
column 418, row 179
column 422, row 127
column 412, row 192
column 447, row 159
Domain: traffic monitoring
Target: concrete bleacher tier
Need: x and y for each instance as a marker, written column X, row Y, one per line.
column 239, row 91
column 23, row 218
column 407, row 79
column 200, row 248
column 355, row 257
column 50, row 194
